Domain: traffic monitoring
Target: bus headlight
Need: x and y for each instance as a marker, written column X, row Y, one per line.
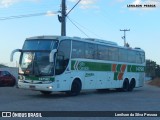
column 49, row 87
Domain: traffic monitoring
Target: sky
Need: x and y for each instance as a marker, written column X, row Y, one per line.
column 101, row 19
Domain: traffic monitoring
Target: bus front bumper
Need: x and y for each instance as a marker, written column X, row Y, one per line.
column 37, row 87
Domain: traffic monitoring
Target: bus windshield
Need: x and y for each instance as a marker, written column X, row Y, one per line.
column 35, row 57
column 39, row 44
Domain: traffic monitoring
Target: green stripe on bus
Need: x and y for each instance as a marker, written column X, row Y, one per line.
column 92, row 66
column 116, row 76
column 119, row 67
column 135, row 68
column 96, row 66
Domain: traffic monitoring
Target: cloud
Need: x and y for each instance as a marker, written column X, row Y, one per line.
column 7, row 3
column 137, row 2
column 86, row 4
column 120, row 0
column 51, row 13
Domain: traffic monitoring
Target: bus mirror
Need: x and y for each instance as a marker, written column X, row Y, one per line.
column 12, row 54
column 51, row 56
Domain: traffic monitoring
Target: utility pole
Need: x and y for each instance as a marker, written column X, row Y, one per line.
column 124, row 37
column 63, row 18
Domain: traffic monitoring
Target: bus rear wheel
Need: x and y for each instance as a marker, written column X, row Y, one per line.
column 75, row 88
column 132, row 85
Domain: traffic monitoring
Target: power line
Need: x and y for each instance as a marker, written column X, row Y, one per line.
column 27, row 15
column 77, row 27
column 73, row 7
column 87, row 29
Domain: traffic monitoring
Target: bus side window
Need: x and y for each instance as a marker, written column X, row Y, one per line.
column 63, row 56
column 77, row 49
column 132, row 56
column 113, row 54
column 143, row 57
column 138, row 58
column 102, row 52
column 123, row 55
column 90, row 51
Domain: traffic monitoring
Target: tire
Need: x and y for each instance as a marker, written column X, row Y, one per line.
column 75, row 88
column 46, row 92
column 132, row 85
column 125, row 85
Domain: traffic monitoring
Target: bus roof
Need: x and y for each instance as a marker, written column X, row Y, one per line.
column 77, row 38
column 100, row 41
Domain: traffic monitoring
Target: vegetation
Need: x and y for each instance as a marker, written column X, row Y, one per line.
column 152, row 69
column 2, row 66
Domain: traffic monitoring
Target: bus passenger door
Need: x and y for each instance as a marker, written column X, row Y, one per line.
column 62, row 70
column 63, row 81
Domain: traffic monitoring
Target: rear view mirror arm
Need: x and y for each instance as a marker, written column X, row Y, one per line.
column 13, row 52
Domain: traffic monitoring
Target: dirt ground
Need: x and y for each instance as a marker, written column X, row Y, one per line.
column 155, row 82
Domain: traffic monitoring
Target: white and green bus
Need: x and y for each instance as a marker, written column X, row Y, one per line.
column 72, row 64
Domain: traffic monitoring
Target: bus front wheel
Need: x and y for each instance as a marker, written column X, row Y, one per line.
column 75, row 88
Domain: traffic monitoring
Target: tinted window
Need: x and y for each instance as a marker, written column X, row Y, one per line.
column 90, row 51
column 132, row 56
column 140, row 57
column 123, row 55
column 7, row 73
column 63, row 56
column 102, row 52
column 39, row 45
column 84, row 50
column 78, row 49
column 4, row 73
column 143, row 57
column 113, row 54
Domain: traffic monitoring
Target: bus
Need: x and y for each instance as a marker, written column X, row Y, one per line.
column 71, row 64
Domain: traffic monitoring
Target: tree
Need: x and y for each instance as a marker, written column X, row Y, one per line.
column 152, row 69
column 157, row 71
column 2, row 66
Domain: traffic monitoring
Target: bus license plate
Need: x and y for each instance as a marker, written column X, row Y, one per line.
column 32, row 87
